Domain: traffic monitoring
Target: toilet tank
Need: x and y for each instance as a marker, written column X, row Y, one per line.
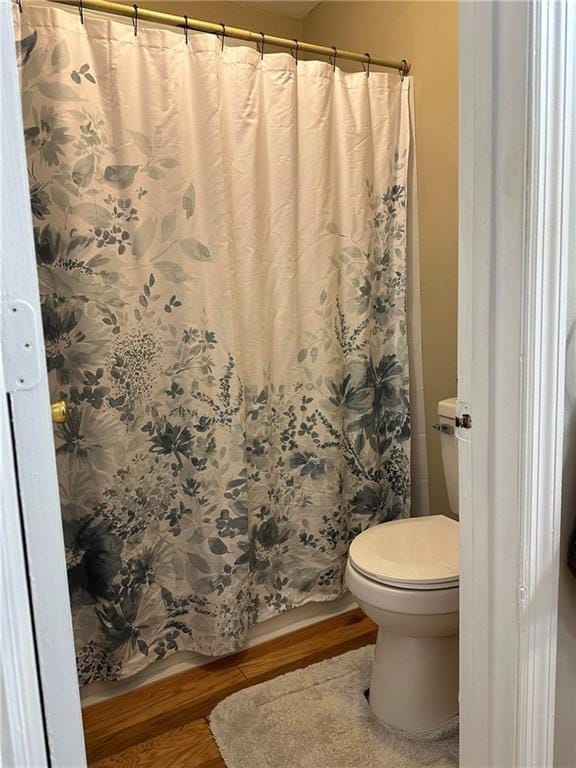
column 449, row 448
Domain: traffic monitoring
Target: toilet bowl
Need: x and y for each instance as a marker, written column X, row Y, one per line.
column 404, row 575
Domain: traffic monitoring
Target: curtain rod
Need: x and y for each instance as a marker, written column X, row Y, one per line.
column 260, row 38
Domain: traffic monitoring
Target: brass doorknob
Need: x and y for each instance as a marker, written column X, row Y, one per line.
column 59, row 411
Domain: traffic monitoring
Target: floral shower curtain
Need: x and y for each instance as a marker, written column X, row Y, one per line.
column 221, row 243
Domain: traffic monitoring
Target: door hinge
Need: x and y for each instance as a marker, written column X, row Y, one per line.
column 20, row 347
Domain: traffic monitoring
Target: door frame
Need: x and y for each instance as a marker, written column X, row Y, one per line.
column 514, row 145
column 42, row 705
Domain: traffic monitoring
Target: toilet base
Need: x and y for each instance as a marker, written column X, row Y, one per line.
column 414, row 682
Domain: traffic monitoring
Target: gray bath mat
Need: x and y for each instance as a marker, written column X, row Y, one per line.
column 318, row 717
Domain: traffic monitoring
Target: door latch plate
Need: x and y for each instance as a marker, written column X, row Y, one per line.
column 464, row 421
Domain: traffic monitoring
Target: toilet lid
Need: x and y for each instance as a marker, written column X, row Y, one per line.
column 414, row 553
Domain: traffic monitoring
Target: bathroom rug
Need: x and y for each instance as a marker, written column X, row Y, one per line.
column 318, row 717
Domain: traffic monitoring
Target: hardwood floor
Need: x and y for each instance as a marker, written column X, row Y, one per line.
column 189, row 746
column 164, row 724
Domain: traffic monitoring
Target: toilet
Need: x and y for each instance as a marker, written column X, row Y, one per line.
column 404, row 576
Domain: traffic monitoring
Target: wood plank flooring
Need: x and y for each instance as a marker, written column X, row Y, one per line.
column 164, row 724
column 189, row 746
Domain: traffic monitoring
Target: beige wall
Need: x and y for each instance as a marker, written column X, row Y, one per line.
column 426, row 34
column 233, row 13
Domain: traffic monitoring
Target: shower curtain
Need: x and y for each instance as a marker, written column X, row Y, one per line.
column 221, row 245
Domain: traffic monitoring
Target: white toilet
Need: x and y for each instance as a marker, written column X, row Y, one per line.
column 404, row 575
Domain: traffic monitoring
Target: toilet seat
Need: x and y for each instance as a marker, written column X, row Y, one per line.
column 412, row 553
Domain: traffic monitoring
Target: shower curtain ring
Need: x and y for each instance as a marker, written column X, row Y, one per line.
column 135, row 20
column 333, row 59
column 295, row 53
column 19, row 2
column 186, row 28
column 366, row 65
column 404, row 69
column 81, row 11
column 222, row 36
column 260, row 45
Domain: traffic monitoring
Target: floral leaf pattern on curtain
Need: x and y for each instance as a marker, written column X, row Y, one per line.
column 230, row 429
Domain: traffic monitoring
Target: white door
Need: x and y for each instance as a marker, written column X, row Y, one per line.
column 41, row 719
